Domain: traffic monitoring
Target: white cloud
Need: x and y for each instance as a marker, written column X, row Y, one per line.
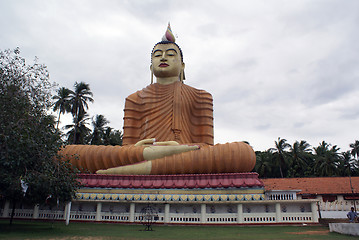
column 275, row 68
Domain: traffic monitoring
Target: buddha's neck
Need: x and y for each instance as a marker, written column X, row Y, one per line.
column 167, row 80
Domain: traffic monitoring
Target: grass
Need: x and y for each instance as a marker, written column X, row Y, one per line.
column 102, row 231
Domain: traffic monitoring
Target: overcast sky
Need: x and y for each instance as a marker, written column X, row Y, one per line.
column 286, row 69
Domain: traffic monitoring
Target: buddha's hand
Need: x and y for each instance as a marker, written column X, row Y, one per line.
column 155, row 150
column 152, row 142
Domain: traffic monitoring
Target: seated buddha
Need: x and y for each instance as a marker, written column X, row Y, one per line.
column 168, row 128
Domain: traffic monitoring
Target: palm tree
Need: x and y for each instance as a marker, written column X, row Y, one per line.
column 62, row 103
column 300, row 155
column 98, row 124
column 79, row 99
column 264, row 164
column 345, row 166
column 112, row 137
column 281, row 155
column 326, row 160
column 355, row 149
column 78, row 133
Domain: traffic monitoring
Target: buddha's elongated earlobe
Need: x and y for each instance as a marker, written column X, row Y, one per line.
column 151, row 74
column 182, row 76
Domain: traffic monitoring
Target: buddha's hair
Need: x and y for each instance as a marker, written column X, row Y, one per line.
column 168, row 42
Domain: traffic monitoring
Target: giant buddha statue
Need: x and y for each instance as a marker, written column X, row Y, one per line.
column 168, row 128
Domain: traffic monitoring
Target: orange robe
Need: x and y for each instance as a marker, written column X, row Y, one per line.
column 174, row 112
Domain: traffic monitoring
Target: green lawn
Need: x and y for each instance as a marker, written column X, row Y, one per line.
column 101, row 231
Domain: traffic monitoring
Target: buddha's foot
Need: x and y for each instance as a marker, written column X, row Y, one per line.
column 141, row 168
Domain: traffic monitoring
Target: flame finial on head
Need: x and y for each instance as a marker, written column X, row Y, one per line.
column 169, row 35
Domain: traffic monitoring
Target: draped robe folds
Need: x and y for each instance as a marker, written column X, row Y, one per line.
column 174, row 112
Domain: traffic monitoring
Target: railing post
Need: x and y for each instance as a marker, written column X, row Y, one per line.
column 278, row 215
column 240, row 213
column 98, row 211
column 203, row 213
column 67, row 213
column 132, row 212
column 167, row 213
column 36, row 211
column 5, row 213
column 314, row 212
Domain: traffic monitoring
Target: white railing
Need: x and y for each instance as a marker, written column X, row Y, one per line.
column 259, row 218
column 281, row 196
column 297, row 217
column 337, row 205
column 47, row 214
column 185, row 218
column 221, row 218
column 23, row 213
column 114, row 216
column 189, row 218
column 84, row 216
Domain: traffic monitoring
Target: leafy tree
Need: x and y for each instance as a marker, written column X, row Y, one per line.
column 355, row 149
column 300, row 156
column 98, row 131
column 62, row 103
column 29, row 140
column 78, row 131
column 326, row 160
column 346, row 167
column 79, row 99
column 281, row 155
column 264, row 164
column 112, row 137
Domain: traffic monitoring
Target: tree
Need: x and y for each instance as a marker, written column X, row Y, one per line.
column 62, row 103
column 264, row 164
column 79, row 99
column 112, row 137
column 29, row 141
column 326, row 160
column 78, row 131
column 300, row 155
column 281, row 154
column 345, row 167
column 98, row 131
column 355, row 149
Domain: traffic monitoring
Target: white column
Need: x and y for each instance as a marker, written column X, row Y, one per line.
column 36, row 211
column 278, row 215
column 203, row 213
column 98, row 211
column 240, row 213
column 67, row 213
column 5, row 213
column 132, row 212
column 167, row 213
column 314, row 209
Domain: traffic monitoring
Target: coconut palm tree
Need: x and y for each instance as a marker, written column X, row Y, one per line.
column 78, row 130
column 355, row 149
column 326, row 160
column 281, row 155
column 98, row 131
column 300, row 155
column 345, row 166
column 112, row 137
column 79, row 99
column 264, row 164
column 62, row 103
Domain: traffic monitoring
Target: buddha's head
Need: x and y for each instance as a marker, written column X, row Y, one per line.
column 167, row 61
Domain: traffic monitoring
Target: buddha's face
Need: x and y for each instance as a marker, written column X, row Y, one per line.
column 166, row 61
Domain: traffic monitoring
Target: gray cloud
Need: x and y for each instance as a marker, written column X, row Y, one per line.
column 275, row 69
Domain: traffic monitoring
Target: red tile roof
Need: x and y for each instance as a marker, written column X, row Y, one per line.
column 223, row 180
column 319, row 185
